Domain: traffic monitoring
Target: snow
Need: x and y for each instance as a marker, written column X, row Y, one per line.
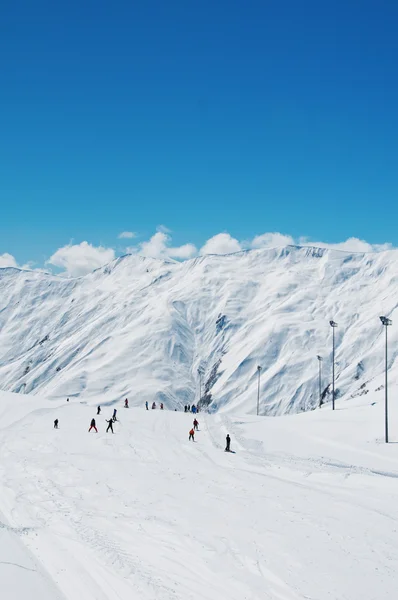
column 142, row 327
column 21, row 576
column 304, row 509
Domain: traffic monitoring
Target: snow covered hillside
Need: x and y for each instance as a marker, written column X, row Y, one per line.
column 141, row 328
column 305, row 508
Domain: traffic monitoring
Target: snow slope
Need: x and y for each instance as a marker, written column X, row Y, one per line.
column 305, row 508
column 141, row 328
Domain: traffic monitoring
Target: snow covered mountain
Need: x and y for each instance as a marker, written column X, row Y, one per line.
column 142, row 328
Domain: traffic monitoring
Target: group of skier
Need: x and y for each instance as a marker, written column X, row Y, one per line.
column 187, row 408
column 110, row 421
column 154, row 405
column 196, row 428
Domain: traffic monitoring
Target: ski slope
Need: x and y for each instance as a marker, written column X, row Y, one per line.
column 305, row 508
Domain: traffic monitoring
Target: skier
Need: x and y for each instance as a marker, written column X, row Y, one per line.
column 195, row 424
column 153, row 405
column 193, row 409
column 114, row 415
column 146, row 405
column 192, row 435
column 161, row 406
column 227, row 448
column 98, row 410
column 56, row 424
column 67, row 399
column 93, row 426
column 185, row 408
column 110, row 425
column 189, row 408
column 126, row 403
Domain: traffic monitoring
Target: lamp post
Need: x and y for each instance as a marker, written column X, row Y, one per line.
column 200, row 373
column 333, row 325
column 386, row 322
column 258, row 389
column 320, row 359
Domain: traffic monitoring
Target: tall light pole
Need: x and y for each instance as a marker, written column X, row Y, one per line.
column 320, row 359
column 258, row 389
column 386, row 322
column 333, row 325
column 200, row 372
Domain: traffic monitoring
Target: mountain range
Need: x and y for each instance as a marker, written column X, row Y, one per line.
column 143, row 328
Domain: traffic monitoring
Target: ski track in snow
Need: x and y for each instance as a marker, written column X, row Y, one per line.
column 294, row 514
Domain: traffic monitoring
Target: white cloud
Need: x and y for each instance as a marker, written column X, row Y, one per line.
column 183, row 252
column 7, row 260
column 159, row 247
column 352, row 244
column 126, row 235
column 79, row 259
column 222, row 243
column 271, row 240
column 156, row 246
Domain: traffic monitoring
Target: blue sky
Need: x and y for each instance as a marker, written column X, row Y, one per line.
column 206, row 117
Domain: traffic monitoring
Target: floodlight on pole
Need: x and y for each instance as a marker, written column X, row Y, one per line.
column 385, row 321
column 320, row 359
column 333, row 325
column 258, row 389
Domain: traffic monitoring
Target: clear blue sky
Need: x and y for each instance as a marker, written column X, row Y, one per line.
column 244, row 117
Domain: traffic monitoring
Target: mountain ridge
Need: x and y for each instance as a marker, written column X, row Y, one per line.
column 118, row 259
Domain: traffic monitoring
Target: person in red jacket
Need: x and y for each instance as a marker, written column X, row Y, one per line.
column 93, row 426
column 192, row 435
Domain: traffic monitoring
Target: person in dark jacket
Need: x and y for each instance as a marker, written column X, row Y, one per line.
column 114, row 415
column 56, row 424
column 93, row 426
column 98, row 410
column 228, row 446
column 110, row 425
column 195, row 424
